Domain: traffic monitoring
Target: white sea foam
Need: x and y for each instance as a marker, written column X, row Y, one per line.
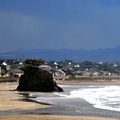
column 105, row 97
column 64, row 86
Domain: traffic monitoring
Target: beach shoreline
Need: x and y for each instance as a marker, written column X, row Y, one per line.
column 13, row 104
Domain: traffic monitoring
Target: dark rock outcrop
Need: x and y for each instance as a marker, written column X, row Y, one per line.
column 38, row 80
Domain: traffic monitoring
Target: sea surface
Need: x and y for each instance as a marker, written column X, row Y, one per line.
column 97, row 100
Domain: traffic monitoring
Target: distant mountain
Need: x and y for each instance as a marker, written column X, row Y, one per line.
column 105, row 55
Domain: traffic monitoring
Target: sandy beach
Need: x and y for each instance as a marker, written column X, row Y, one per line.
column 12, row 106
column 98, row 82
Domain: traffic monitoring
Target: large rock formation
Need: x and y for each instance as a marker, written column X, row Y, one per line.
column 35, row 79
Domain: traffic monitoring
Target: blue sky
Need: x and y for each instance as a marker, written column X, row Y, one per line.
column 59, row 24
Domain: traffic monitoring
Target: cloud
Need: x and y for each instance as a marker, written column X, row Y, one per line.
column 59, row 24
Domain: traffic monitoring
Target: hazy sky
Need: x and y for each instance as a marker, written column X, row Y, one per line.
column 56, row 24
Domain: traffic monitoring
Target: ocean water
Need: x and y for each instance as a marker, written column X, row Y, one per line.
column 104, row 97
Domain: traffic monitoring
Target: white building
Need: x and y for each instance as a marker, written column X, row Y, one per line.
column 44, row 67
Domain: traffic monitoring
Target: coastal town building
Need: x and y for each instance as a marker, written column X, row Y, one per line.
column 44, row 67
column 12, row 68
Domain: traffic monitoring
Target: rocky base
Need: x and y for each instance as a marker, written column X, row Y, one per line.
column 37, row 80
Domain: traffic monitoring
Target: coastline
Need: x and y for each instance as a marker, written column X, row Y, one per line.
column 13, row 105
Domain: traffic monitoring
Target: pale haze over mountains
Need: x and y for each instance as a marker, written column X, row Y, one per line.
column 105, row 55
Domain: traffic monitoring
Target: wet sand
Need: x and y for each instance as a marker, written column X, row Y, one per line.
column 13, row 106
